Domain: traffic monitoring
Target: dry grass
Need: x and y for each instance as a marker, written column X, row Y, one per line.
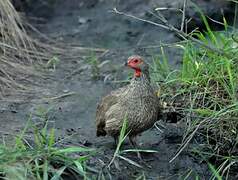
column 18, row 51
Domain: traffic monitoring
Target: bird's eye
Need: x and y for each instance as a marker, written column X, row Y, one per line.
column 136, row 61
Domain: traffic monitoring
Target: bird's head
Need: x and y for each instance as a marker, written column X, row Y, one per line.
column 138, row 64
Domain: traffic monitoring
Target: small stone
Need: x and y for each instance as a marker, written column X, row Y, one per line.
column 82, row 20
column 86, row 143
column 65, row 91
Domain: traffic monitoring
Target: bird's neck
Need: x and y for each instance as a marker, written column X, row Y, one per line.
column 137, row 73
column 142, row 75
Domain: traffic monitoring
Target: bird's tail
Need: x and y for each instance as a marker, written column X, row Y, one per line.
column 101, row 132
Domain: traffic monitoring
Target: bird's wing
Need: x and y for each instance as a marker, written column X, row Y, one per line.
column 106, row 103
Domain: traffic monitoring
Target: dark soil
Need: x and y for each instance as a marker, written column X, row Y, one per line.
column 91, row 24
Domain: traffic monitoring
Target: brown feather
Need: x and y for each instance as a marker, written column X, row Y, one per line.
column 103, row 107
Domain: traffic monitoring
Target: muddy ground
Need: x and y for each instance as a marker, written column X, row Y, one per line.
column 91, row 24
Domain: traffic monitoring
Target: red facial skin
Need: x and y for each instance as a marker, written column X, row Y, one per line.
column 134, row 62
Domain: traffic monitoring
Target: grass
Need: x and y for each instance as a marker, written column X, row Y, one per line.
column 52, row 63
column 204, row 90
column 18, row 51
column 43, row 157
column 94, row 64
column 21, row 54
column 119, row 153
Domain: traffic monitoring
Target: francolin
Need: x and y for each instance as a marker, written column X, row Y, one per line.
column 137, row 103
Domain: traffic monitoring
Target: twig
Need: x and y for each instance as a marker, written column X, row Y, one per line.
column 184, row 13
column 166, row 8
column 28, row 144
column 235, row 16
column 140, row 19
column 217, row 22
column 62, row 96
column 180, row 33
column 140, row 40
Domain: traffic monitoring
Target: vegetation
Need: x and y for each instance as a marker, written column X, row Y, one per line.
column 204, row 91
column 119, row 153
column 18, row 50
column 20, row 53
column 43, row 157
column 95, row 69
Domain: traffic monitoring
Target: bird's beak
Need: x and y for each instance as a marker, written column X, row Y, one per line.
column 125, row 64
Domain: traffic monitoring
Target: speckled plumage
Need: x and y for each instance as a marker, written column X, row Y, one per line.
column 137, row 102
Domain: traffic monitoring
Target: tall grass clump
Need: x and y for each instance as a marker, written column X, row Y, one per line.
column 17, row 49
column 204, row 90
column 21, row 54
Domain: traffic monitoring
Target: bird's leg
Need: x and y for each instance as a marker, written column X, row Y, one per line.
column 132, row 140
column 115, row 140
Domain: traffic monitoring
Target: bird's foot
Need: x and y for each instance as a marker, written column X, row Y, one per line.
column 145, row 164
column 139, row 156
column 134, row 144
column 142, row 161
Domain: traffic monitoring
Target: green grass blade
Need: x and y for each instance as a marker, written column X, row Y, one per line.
column 129, row 161
column 122, row 136
column 210, row 32
column 74, row 150
column 45, row 170
column 225, row 24
column 51, row 138
column 214, row 171
column 139, row 150
column 37, row 169
column 80, row 168
column 58, row 173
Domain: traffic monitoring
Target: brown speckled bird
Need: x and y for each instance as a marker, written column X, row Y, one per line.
column 137, row 102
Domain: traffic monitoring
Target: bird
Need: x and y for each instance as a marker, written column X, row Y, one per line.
column 136, row 102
